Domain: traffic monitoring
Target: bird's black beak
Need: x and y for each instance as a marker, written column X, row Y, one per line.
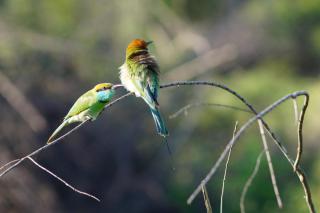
column 116, row 86
column 149, row 42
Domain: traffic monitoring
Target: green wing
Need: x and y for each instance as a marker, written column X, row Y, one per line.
column 153, row 84
column 149, row 71
column 83, row 103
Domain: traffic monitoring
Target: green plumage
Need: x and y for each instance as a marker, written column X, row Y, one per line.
column 89, row 103
column 88, row 106
column 146, row 80
column 140, row 74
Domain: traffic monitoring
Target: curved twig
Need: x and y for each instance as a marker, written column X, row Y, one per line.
column 298, row 170
column 224, row 87
column 118, row 99
column 259, row 116
column 300, row 136
column 271, row 170
column 225, row 169
column 249, row 182
column 63, row 181
column 40, row 149
column 7, row 164
column 185, row 108
column 18, row 161
column 29, row 156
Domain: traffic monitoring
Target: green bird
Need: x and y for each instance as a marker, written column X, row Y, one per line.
column 140, row 75
column 88, row 106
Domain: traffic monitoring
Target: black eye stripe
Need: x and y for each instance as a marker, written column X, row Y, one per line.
column 102, row 89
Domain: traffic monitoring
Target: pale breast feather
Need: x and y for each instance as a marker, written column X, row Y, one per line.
column 127, row 80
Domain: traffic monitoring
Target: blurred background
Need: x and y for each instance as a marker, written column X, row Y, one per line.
column 53, row 51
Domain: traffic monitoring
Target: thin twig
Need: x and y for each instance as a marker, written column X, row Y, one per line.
column 118, row 99
column 295, row 165
column 206, row 198
column 185, row 109
column 299, row 172
column 41, row 149
column 7, row 164
column 300, row 135
column 308, row 196
column 249, row 182
column 18, row 161
column 272, row 174
column 242, row 99
column 277, row 194
column 225, row 170
column 63, row 181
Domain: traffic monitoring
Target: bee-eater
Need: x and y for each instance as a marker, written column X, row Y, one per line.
column 88, row 106
column 140, row 74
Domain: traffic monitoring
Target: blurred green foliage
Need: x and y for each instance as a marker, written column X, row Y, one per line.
column 54, row 50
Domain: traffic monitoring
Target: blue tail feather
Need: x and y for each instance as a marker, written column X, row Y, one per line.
column 161, row 128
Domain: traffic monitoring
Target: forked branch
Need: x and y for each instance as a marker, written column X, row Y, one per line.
column 63, row 181
column 206, row 198
column 16, row 162
column 186, row 108
column 272, row 175
column 259, row 116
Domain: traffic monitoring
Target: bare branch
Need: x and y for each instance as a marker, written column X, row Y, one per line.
column 7, row 164
column 226, row 168
column 249, row 182
column 242, row 99
column 237, row 136
column 308, row 196
column 18, row 161
column 185, row 109
column 259, row 116
column 118, row 99
column 300, row 136
column 299, row 172
column 206, row 198
column 272, row 175
column 63, row 181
